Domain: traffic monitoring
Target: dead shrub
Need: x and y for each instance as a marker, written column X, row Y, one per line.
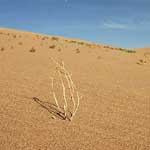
column 69, row 92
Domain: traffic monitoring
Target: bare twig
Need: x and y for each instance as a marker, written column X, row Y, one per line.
column 54, row 95
column 73, row 92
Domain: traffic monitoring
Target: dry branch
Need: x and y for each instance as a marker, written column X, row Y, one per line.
column 73, row 92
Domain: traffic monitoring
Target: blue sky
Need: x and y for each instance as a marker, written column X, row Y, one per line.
column 124, row 23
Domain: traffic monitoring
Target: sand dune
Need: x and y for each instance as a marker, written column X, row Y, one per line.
column 114, row 112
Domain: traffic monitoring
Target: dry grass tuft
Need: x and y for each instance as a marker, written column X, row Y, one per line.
column 54, row 38
column 77, row 51
column 32, row 50
column 126, row 50
column 66, row 82
column 52, row 46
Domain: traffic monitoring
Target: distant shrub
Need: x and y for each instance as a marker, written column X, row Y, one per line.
column 59, row 49
column 54, row 38
column 14, row 36
column 66, row 40
column 2, row 49
column 32, row 50
column 126, row 50
column 20, row 43
column 98, row 57
column 52, row 46
column 106, row 46
column 80, row 43
column 77, row 51
column 45, row 37
column 72, row 41
column 88, row 45
column 37, row 36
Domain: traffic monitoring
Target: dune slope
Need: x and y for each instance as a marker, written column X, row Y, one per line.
column 114, row 112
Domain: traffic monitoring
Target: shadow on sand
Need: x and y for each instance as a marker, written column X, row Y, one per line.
column 53, row 109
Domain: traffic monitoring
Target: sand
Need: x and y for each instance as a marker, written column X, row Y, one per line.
column 114, row 112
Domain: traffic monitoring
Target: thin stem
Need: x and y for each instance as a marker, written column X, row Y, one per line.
column 54, row 95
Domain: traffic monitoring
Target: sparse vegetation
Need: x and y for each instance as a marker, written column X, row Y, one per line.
column 52, row 46
column 72, row 41
column 80, row 43
column 59, row 50
column 72, row 95
column 98, row 57
column 32, row 50
column 120, row 49
column 77, row 51
column 45, row 37
column 14, row 36
column 106, row 46
column 2, row 49
column 126, row 50
column 20, row 43
column 54, row 38
column 88, row 45
column 77, row 42
column 66, row 40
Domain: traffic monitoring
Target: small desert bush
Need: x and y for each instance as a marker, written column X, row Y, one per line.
column 88, row 45
column 59, row 50
column 126, row 50
column 77, row 51
column 99, row 57
column 70, row 93
column 2, row 49
column 20, row 43
column 77, row 42
column 66, row 40
column 80, row 43
column 14, row 36
column 72, row 41
column 52, row 46
column 45, row 37
column 32, row 50
column 106, row 46
column 54, row 38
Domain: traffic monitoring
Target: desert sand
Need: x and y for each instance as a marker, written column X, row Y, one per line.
column 114, row 111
